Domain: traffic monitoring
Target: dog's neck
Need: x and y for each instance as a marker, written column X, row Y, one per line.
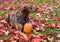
column 25, row 16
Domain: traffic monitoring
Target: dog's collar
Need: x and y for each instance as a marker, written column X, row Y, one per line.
column 20, row 20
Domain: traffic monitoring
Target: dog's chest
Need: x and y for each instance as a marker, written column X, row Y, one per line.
column 19, row 20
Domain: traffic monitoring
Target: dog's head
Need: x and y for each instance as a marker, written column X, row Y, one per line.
column 29, row 8
column 26, row 9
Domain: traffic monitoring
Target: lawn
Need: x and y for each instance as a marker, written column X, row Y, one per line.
column 46, row 21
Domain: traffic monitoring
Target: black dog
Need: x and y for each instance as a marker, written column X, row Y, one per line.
column 18, row 19
column 21, row 16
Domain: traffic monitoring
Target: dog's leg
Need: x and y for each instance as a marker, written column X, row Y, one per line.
column 19, row 27
column 7, row 20
column 9, row 26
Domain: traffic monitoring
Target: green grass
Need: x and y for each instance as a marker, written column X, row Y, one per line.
column 43, row 16
column 58, row 22
column 56, row 13
column 48, row 1
column 38, row 3
column 5, row 36
column 50, row 21
column 47, row 30
column 2, row 13
column 55, row 4
column 33, row 14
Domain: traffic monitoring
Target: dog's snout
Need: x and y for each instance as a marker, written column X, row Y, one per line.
column 36, row 9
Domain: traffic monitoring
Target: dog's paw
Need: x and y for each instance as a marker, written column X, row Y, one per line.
column 24, row 35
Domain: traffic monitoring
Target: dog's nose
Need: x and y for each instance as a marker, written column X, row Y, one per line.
column 36, row 9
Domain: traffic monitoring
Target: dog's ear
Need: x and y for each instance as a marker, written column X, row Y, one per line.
column 24, row 8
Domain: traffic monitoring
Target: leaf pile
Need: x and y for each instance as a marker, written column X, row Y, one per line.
column 46, row 21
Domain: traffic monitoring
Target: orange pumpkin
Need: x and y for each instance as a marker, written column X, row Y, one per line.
column 28, row 28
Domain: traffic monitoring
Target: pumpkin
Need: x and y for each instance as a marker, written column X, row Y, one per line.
column 28, row 28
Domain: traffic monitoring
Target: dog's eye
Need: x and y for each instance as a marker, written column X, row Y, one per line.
column 31, row 7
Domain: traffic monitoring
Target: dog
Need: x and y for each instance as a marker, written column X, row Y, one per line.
column 18, row 19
